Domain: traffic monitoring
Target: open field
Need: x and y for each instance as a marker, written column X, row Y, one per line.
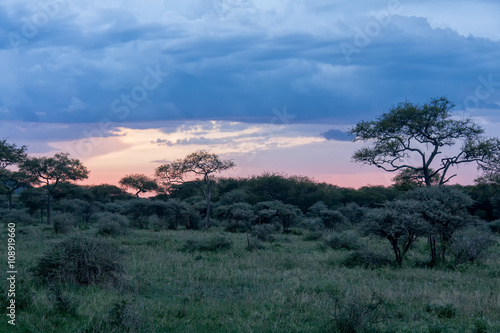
column 289, row 285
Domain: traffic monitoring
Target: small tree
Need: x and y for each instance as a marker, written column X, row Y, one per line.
column 200, row 163
column 54, row 170
column 445, row 210
column 14, row 180
column 11, row 154
column 412, row 132
column 400, row 222
column 139, row 183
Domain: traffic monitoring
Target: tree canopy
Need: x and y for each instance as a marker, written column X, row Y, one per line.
column 198, row 164
column 54, row 170
column 412, row 136
column 139, row 183
column 11, row 154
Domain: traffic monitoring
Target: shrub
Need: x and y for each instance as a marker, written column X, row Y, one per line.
column 470, row 246
column 355, row 312
column 367, row 259
column 494, row 226
column 214, row 244
column 344, row 240
column 109, row 224
column 63, row 223
column 81, row 260
column 16, row 216
column 447, row 311
column 313, row 236
column 264, row 232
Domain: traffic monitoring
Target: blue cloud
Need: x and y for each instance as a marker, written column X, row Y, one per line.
column 222, row 64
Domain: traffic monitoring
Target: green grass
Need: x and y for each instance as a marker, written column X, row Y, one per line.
column 291, row 285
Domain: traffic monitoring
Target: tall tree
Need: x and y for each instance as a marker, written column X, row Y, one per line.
column 199, row 164
column 11, row 154
column 139, row 183
column 410, row 132
column 54, row 170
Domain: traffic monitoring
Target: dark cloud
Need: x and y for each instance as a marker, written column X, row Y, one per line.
column 337, row 135
column 75, row 68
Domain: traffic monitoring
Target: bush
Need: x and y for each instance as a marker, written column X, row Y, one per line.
column 264, row 232
column 214, row 244
column 470, row 246
column 344, row 240
column 313, row 236
column 64, row 223
column 494, row 226
column 355, row 312
column 16, row 216
column 367, row 259
column 447, row 311
column 81, row 260
column 109, row 224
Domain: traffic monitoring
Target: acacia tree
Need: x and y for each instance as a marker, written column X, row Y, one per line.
column 400, row 222
column 13, row 180
column 200, row 163
column 52, row 171
column 139, row 183
column 11, row 154
column 410, row 132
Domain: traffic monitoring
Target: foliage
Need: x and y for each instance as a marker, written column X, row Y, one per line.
column 138, row 212
column 494, row 226
column 200, row 164
column 11, row 154
column 470, row 245
column 64, row 223
column 344, row 240
column 139, row 183
column 54, row 170
column 81, row 260
column 213, row 244
column 400, row 222
column 108, row 193
column 264, row 232
column 445, row 210
column 239, row 216
column 354, row 312
column 81, row 209
column 412, row 132
column 268, row 212
column 112, row 224
column 366, row 258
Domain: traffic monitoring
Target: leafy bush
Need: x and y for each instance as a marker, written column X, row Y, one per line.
column 214, row 244
column 81, row 260
column 355, row 312
column 16, row 216
column 110, row 224
column 344, row 240
column 367, row 259
column 494, row 226
column 470, row 246
column 64, row 223
column 264, row 232
column 313, row 236
column 447, row 311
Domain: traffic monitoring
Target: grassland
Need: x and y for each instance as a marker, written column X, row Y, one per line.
column 289, row 285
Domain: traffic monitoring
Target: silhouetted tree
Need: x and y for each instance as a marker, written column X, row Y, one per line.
column 200, row 163
column 14, row 180
column 139, row 183
column 409, row 132
column 54, row 170
column 11, row 154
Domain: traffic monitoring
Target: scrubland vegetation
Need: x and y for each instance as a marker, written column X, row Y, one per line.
column 268, row 253
column 284, row 254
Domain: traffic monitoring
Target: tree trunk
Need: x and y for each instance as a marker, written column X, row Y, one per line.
column 397, row 250
column 10, row 200
column 48, row 208
column 207, row 218
column 432, row 243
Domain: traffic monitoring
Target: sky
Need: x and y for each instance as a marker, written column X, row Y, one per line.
column 126, row 85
